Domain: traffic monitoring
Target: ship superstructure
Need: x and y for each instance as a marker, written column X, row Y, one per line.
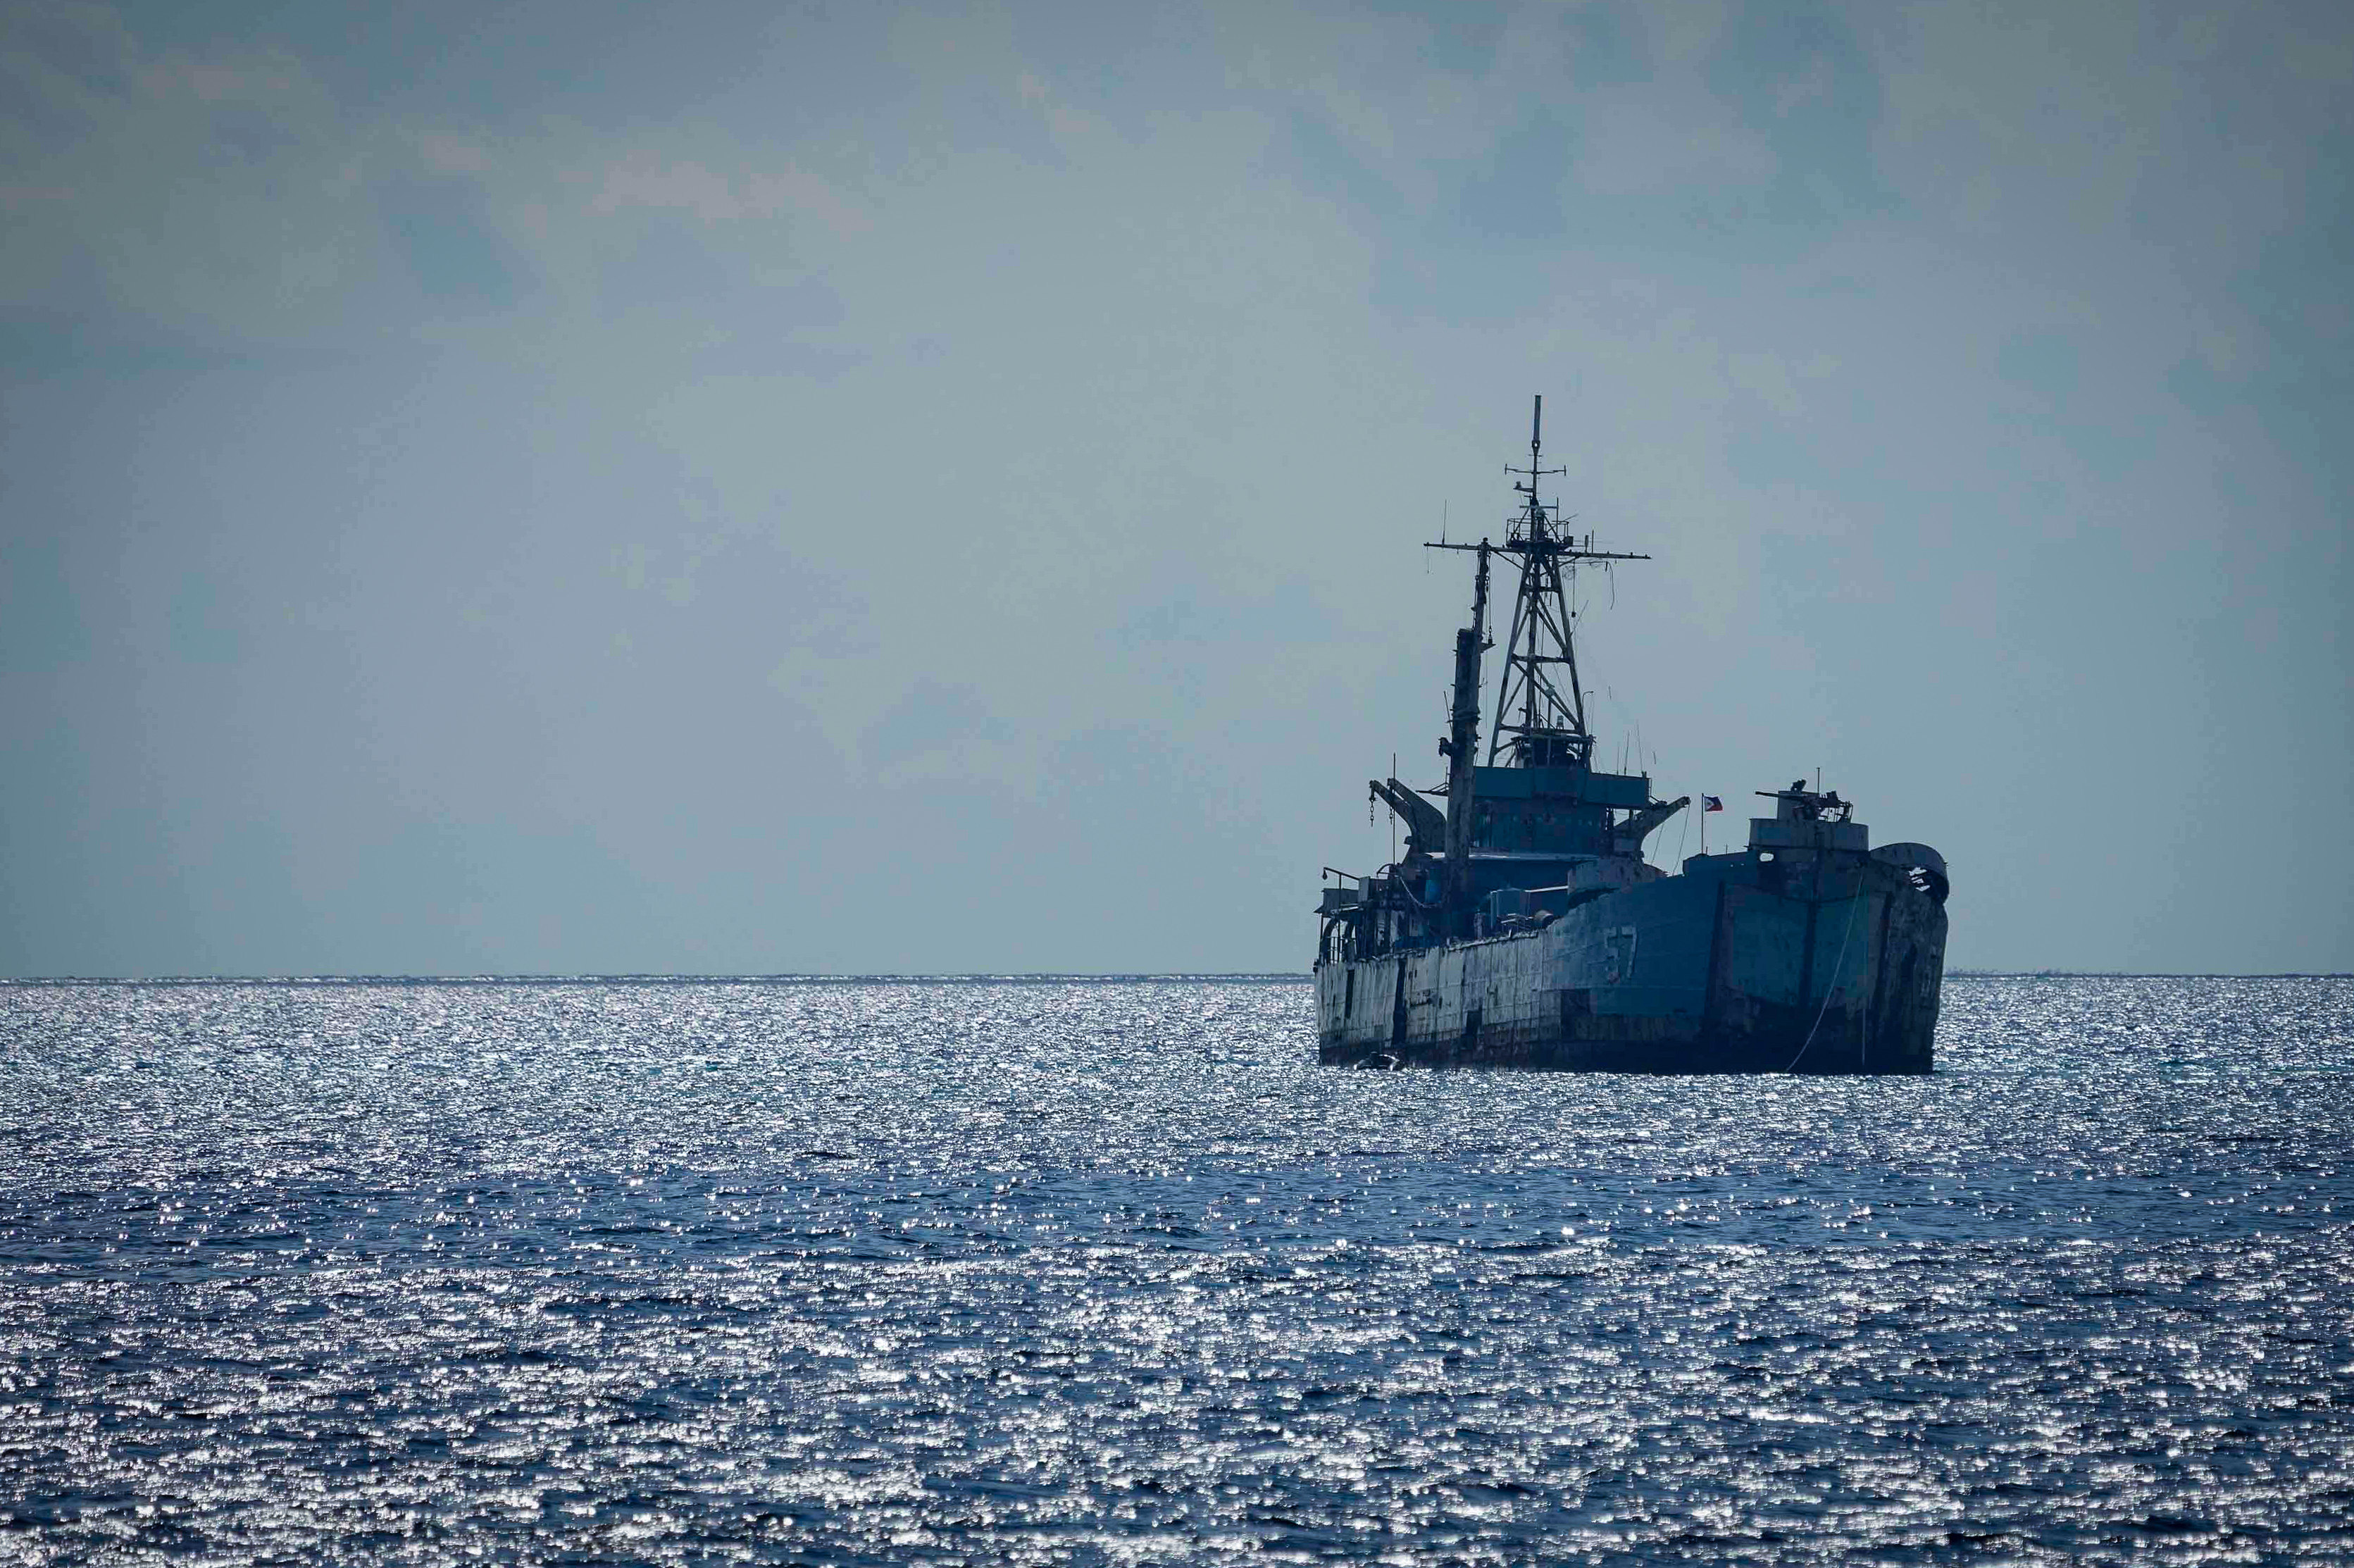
column 1523, row 926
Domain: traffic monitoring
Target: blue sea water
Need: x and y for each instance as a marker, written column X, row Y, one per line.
column 1110, row 1272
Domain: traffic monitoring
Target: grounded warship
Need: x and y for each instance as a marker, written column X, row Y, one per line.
column 1523, row 926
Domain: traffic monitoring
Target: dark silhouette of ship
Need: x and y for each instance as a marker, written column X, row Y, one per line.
column 1523, row 926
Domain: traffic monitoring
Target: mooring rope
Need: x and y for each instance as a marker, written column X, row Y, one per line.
column 1837, row 964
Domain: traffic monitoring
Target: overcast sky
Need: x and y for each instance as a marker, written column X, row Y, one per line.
column 576, row 487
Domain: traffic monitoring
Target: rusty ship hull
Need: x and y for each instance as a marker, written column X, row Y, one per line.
column 1725, row 969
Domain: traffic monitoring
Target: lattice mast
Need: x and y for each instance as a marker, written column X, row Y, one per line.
column 1545, row 722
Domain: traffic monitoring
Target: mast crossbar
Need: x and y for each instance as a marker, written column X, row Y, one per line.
column 1547, row 722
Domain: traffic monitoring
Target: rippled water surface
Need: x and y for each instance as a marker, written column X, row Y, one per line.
column 1112, row 1272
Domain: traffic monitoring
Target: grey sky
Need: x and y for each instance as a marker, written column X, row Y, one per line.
column 845, row 488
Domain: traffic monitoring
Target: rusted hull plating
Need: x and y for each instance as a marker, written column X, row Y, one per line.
column 1688, row 974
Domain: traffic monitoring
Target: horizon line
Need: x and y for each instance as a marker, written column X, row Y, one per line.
column 984, row 977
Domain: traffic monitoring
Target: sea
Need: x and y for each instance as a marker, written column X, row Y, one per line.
column 1109, row 1271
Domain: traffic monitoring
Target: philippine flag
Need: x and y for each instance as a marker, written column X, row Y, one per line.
column 1711, row 803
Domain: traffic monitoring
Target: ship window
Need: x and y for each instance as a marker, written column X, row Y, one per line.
column 1766, row 854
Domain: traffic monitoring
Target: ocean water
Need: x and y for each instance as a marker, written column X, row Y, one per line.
column 1090, row 1272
